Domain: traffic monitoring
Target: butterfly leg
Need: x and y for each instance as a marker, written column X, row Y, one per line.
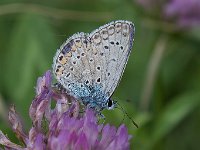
column 101, row 117
column 97, row 112
column 59, row 87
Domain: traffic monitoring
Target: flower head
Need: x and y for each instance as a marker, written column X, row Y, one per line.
column 63, row 127
column 183, row 13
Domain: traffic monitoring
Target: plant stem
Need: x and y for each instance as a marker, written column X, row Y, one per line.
column 3, row 112
column 54, row 12
column 152, row 71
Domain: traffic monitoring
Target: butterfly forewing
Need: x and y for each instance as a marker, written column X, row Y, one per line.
column 124, row 32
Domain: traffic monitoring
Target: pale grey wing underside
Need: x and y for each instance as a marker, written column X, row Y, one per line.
column 115, row 42
column 97, row 58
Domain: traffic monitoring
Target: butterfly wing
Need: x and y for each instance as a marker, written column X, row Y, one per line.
column 98, row 58
column 70, row 64
column 113, row 42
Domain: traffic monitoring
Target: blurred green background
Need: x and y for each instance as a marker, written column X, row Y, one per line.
column 160, row 88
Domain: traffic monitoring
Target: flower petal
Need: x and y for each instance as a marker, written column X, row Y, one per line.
column 39, row 142
column 43, row 82
column 82, row 143
column 6, row 142
column 17, row 124
column 121, row 140
column 108, row 134
column 123, row 137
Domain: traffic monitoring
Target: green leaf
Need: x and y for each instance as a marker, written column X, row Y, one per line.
column 30, row 54
column 174, row 113
column 194, row 33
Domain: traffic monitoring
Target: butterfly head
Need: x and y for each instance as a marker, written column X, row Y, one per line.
column 111, row 104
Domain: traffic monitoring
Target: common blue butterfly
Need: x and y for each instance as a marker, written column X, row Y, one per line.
column 89, row 66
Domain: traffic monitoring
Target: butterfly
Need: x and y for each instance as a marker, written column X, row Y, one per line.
column 90, row 65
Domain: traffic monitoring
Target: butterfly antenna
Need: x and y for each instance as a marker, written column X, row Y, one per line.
column 122, row 109
column 123, row 115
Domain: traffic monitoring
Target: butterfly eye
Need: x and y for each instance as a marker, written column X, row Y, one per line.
column 110, row 104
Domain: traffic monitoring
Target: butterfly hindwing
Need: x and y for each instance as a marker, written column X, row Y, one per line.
column 70, row 62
